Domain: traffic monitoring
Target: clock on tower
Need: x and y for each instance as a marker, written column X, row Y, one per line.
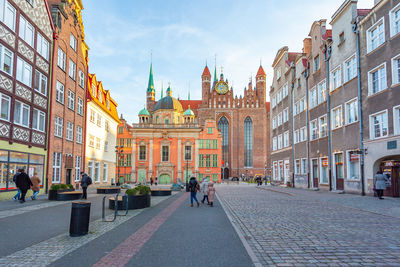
column 221, row 87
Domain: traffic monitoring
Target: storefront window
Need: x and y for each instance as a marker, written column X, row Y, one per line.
column 18, row 157
column 3, row 175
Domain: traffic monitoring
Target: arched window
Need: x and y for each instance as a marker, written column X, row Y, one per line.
column 248, row 142
column 166, row 120
column 223, row 126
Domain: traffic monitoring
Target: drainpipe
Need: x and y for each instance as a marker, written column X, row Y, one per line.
column 306, row 75
column 328, row 114
column 360, row 114
column 292, row 124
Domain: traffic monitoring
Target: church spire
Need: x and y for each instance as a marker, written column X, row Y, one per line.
column 150, row 87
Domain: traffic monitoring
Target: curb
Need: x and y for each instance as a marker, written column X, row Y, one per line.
column 246, row 245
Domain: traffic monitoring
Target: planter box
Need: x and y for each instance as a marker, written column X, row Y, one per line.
column 52, row 195
column 161, row 192
column 134, row 202
column 71, row 195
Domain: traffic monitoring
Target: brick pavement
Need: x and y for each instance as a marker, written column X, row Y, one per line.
column 302, row 228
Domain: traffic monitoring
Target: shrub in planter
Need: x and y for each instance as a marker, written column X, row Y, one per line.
column 55, row 188
column 70, row 186
column 138, row 197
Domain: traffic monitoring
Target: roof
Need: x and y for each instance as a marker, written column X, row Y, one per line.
column 194, row 104
column 279, row 54
column 168, row 102
column 188, row 112
column 260, row 71
column 150, row 87
column 144, row 112
column 206, row 72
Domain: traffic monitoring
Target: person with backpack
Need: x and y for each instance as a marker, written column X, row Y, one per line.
column 18, row 194
column 193, row 188
column 23, row 183
column 85, row 182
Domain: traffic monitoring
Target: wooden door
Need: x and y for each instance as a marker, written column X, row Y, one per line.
column 164, row 179
column 315, row 173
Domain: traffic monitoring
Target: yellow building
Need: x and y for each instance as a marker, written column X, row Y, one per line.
column 101, row 133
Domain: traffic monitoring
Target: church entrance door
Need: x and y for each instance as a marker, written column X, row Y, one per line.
column 164, row 179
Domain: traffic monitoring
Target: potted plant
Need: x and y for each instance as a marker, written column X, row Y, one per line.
column 138, row 197
column 288, row 184
column 58, row 188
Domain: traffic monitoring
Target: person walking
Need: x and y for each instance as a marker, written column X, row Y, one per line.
column 18, row 194
column 156, row 181
column 23, row 182
column 203, row 189
column 85, row 182
column 211, row 193
column 35, row 185
column 380, row 181
column 151, row 180
column 193, row 187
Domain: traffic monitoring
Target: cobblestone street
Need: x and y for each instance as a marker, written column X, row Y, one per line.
column 291, row 227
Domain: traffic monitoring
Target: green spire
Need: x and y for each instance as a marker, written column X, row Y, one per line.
column 215, row 74
column 162, row 89
column 189, row 95
column 169, row 92
column 150, row 87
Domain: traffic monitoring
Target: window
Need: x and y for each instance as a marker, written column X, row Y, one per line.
column 93, row 115
column 285, row 115
column 78, row 166
column 324, row 179
column 56, row 167
column 336, row 78
column 273, row 122
column 24, row 72
column 91, row 140
column 296, row 136
column 280, row 119
column 6, row 60
column 188, row 153
column 350, row 69
column 70, row 131
column 394, row 20
column 279, row 97
column 209, row 130
column 97, row 171
column 38, row 120
column 375, row 35
column 42, row 46
column 98, row 120
column 303, row 134
column 313, row 130
column 377, row 79
column 80, row 106
column 303, row 166
column 313, row 97
column 223, row 126
column 285, row 139
column 396, row 70
column 280, row 141
column 351, row 111
column 60, row 92
column 297, row 167
column 296, row 109
column 208, row 144
column 97, row 143
column 248, row 142
column 72, row 69
column 71, row 100
column 322, row 126
column 105, row 172
column 40, row 83
column 336, row 117
column 321, row 92
column 316, row 64
column 215, row 161
column 208, row 161
column 120, row 129
column 278, row 74
column 79, row 134
column 105, row 146
column 274, row 143
column 396, row 119
column 72, row 41
column 7, row 14
column 58, row 126
column 215, row 144
column 61, row 59
column 285, row 91
column 165, row 153
column 273, row 101
column 26, row 31
column 302, row 105
column 82, row 79
column 21, row 113
column 107, row 125
column 90, row 168
column 378, row 125
column 353, row 165
column 5, row 103
column 201, row 160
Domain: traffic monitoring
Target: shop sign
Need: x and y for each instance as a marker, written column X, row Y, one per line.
column 324, row 162
column 354, row 157
column 392, row 144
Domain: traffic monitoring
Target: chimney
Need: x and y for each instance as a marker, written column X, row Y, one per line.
column 307, row 46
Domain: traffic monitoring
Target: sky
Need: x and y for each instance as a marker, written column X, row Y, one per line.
column 181, row 37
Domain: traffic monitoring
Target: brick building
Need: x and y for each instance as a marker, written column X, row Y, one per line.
column 68, row 102
column 25, row 40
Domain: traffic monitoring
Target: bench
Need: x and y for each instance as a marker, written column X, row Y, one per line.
column 72, row 195
column 158, row 192
column 111, row 203
column 108, row 190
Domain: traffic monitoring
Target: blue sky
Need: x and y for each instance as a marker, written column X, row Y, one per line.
column 183, row 35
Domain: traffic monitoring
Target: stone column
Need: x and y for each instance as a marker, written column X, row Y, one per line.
column 196, row 158
column 179, row 159
column 133, row 160
column 150, row 170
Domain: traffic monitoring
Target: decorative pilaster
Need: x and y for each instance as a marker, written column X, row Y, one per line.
column 133, row 160
column 179, row 159
column 196, row 158
column 150, row 159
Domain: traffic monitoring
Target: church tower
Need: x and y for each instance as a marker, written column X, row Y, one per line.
column 260, row 85
column 205, row 84
column 150, row 94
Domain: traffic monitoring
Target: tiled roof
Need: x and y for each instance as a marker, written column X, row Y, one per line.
column 260, row 71
column 206, row 72
column 194, row 104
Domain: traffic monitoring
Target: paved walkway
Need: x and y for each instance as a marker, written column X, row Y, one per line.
column 290, row 227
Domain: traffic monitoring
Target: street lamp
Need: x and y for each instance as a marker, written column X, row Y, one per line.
column 187, row 155
column 118, row 150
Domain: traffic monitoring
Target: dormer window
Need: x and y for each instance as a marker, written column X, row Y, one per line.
column 101, row 97
column 108, row 103
column 94, row 90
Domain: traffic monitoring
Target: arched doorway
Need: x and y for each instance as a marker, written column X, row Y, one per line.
column 224, row 173
column 223, row 126
column 164, row 179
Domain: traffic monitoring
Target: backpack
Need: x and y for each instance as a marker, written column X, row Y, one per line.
column 15, row 177
column 89, row 180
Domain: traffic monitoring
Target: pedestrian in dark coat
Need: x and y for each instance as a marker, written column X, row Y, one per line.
column 194, row 187
column 156, row 181
column 85, row 182
column 380, row 181
column 23, row 183
column 151, row 180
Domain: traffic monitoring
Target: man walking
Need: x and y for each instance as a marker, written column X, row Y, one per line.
column 193, row 187
column 18, row 194
column 23, row 183
column 85, row 182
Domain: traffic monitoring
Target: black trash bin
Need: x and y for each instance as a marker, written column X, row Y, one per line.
column 80, row 216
